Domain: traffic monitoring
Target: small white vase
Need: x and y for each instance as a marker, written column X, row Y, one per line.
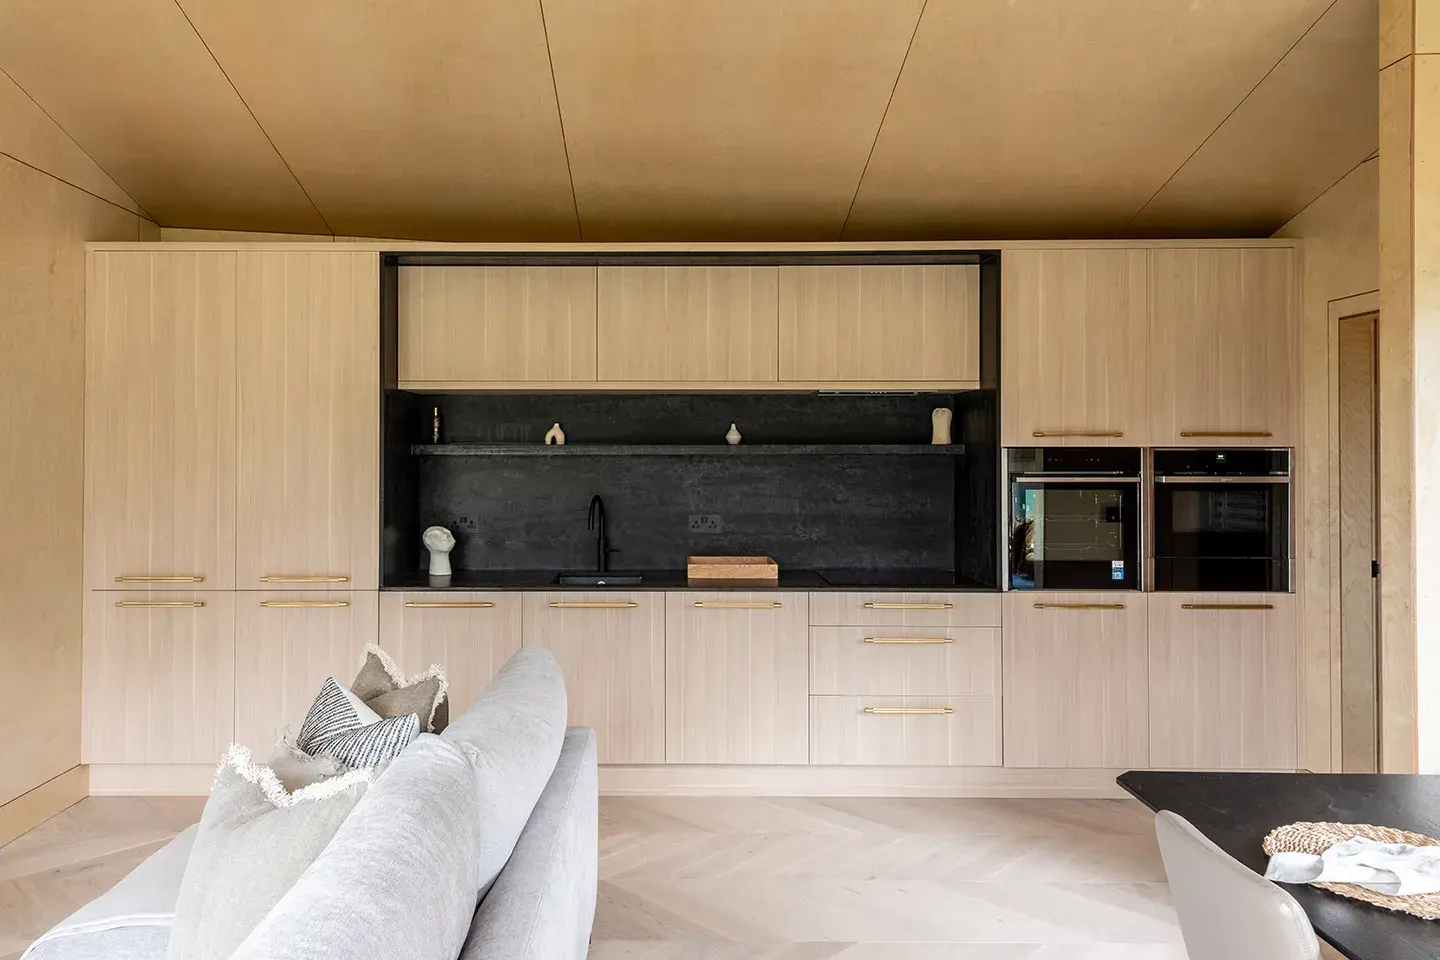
column 940, row 426
column 555, row 436
column 732, row 436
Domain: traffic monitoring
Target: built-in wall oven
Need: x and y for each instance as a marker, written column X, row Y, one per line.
column 1074, row 518
column 1222, row 520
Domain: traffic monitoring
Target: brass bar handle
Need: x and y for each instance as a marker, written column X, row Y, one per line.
column 921, row 640
column 304, row 603
column 160, row 603
column 123, row 578
column 1042, row 434
column 1079, row 606
column 886, row 605
column 450, row 604
column 907, row 711
column 593, row 604
column 740, row 604
column 1227, row 606
column 302, row 578
column 1226, row 433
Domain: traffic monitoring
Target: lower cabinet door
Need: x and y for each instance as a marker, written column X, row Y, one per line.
column 285, row 647
column 1075, row 680
column 1224, row 681
column 159, row 677
column 737, row 677
column 611, row 649
column 469, row 635
column 905, row 731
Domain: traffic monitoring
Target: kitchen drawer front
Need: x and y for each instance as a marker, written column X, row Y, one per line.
column 836, row 609
column 905, row 731
column 905, row 661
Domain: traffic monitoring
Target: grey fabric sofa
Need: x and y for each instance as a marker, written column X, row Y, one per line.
column 541, row 903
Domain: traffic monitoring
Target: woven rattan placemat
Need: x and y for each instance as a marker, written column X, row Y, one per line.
column 1316, row 838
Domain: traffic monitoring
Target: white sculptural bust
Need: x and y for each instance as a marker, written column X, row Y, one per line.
column 439, row 542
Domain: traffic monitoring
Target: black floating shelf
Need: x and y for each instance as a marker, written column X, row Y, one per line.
column 684, row 449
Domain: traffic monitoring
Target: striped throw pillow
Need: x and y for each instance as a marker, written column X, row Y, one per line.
column 341, row 727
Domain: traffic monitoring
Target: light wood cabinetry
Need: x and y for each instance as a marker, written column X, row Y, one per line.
column 736, row 677
column 497, row 324
column 880, row 323
column 1223, row 347
column 309, row 382
column 688, row 324
column 159, row 676
column 160, row 421
column 904, row 609
column 470, row 635
column 906, row 731
column 286, row 644
column 1224, row 679
column 1074, row 335
column 1076, row 683
column 611, row 650
column 905, row 661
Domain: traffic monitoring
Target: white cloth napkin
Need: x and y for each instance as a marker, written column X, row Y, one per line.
column 1393, row 868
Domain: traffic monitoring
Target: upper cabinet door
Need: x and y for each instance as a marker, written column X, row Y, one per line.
column 900, row 324
column 309, row 372
column 1223, row 347
column 688, row 324
column 1073, row 348
column 497, row 324
column 160, row 421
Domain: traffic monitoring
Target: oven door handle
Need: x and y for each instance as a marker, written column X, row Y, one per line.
column 1066, row 478
column 1267, row 479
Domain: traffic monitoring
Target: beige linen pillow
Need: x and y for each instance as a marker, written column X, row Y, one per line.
column 385, row 689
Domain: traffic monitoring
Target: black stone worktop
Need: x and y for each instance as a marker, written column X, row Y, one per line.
column 897, row 580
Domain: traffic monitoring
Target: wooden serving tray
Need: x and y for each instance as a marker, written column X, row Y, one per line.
column 733, row 569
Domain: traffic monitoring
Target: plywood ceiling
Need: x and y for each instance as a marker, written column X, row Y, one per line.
column 670, row 119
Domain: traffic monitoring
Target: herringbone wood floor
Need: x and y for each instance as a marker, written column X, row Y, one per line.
column 774, row 879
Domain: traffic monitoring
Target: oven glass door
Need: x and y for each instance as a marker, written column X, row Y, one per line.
column 1222, row 534
column 1080, row 534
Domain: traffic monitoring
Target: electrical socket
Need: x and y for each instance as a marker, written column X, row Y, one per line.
column 706, row 523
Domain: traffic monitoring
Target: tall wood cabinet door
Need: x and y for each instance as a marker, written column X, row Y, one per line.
column 1075, row 681
column 285, row 646
column 159, row 676
column 160, row 421
column 1074, row 330
column 688, row 324
column 1223, row 347
column 488, row 324
column 611, row 649
column 1224, row 681
column 737, row 678
column 470, row 635
column 309, row 487
column 880, row 323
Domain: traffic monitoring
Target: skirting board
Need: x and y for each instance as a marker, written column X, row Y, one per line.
column 156, row 780
column 35, row 806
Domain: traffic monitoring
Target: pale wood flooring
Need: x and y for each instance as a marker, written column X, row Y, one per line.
column 771, row 879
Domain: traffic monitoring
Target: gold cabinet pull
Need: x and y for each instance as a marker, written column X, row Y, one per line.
column 304, row 603
column 1226, row 433
column 907, row 711
column 1227, row 606
column 592, row 604
column 302, row 578
column 167, row 578
column 450, row 604
column 159, row 603
column 909, row 639
column 886, row 605
column 1079, row 606
column 1041, row 434
column 740, row 604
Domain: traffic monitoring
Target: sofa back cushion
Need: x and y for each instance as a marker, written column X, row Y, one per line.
column 398, row 879
column 517, row 727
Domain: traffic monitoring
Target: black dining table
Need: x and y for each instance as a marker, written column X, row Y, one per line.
column 1237, row 810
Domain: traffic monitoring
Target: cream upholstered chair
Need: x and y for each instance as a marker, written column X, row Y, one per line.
column 1227, row 911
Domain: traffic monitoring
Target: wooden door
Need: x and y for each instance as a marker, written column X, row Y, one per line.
column 737, row 678
column 1223, row 347
column 1074, row 330
column 286, row 644
column 159, row 676
column 902, row 324
column 1076, row 688
column 1359, row 681
column 470, row 635
column 160, row 421
column 688, row 324
column 497, row 324
column 611, row 649
column 1224, row 681
column 309, row 497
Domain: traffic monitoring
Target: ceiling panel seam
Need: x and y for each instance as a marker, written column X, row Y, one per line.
column 881, row 125
column 76, row 186
column 258, row 125
column 560, row 116
column 1218, row 126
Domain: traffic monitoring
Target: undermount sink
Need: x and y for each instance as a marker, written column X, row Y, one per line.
column 598, row 579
